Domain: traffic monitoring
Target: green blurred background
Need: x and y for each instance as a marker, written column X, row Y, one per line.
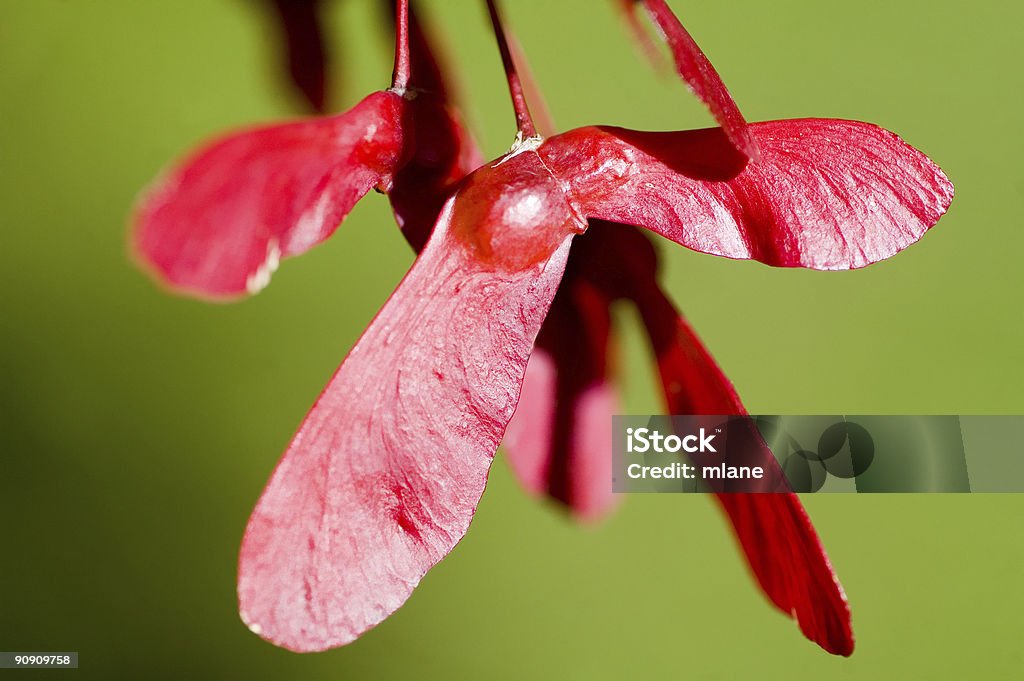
column 137, row 429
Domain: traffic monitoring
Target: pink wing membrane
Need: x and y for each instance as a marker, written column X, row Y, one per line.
column 217, row 225
column 527, row 443
column 791, row 566
column 591, row 494
column 558, row 442
column 773, row 529
column 380, row 483
column 826, row 194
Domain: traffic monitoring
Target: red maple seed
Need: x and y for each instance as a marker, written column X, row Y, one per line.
column 210, row 230
column 569, row 377
column 384, row 475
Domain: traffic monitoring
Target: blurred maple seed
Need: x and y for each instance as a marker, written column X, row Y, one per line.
column 300, row 24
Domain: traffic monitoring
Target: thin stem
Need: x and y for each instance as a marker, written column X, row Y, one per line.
column 541, row 112
column 400, row 77
column 515, row 88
